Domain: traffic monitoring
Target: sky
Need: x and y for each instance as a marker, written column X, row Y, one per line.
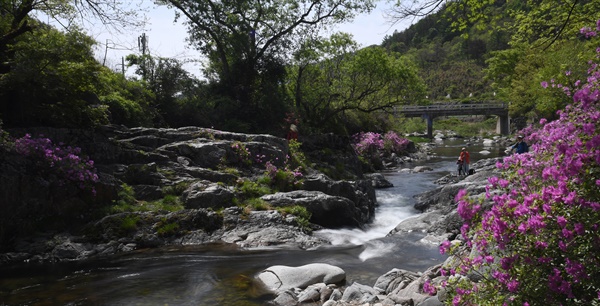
column 167, row 39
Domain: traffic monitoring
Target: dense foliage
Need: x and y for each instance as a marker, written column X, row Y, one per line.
column 538, row 244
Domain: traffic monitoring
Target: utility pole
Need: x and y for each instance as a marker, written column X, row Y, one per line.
column 105, row 52
column 143, row 47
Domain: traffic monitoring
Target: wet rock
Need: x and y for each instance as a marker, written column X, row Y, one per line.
column 419, row 169
column 378, row 180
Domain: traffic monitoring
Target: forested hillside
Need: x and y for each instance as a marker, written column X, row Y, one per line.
column 502, row 50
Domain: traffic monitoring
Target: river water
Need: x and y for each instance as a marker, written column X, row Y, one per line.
column 220, row 274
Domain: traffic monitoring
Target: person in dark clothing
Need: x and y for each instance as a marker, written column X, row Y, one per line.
column 459, row 166
column 521, row 146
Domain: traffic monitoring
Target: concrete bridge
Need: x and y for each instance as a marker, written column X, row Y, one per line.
column 432, row 111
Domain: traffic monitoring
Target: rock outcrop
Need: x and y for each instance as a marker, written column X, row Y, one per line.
column 200, row 167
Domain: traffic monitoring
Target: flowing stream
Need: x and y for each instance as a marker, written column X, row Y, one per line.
column 220, row 274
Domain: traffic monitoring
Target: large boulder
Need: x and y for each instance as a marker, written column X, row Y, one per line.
column 264, row 229
column 277, row 279
column 328, row 211
column 360, row 192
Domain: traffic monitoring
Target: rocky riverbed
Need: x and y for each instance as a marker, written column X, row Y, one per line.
column 439, row 221
column 198, row 163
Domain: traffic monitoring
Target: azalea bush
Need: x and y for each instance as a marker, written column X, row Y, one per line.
column 284, row 179
column 538, row 244
column 368, row 143
column 242, row 153
column 392, row 143
column 65, row 162
column 372, row 144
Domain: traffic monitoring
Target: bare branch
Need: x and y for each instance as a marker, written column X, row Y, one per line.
column 413, row 9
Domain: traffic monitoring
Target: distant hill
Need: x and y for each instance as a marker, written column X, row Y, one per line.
column 450, row 63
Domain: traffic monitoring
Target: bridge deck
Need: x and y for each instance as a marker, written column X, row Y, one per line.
column 454, row 109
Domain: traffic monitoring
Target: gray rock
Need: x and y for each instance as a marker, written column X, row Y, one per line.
column 422, row 222
column 263, row 229
column 394, row 279
column 419, row 169
column 206, row 194
column 155, row 162
column 336, row 295
column 286, row 298
column 412, row 292
column 361, row 192
column 313, row 293
column 431, row 301
column 147, row 192
column 328, row 211
column 359, row 294
column 281, row 278
column 378, row 180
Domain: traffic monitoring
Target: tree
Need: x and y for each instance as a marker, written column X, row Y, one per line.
column 248, row 43
column 539, row 23
column 167, row 80
column 16, row 19
column 54, row 80
column 351, row 81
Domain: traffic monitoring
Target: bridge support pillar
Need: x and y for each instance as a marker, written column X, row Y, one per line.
column 503, row 125
column 429, row 125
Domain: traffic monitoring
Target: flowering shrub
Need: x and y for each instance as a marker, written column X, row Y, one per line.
column 394, row 143
column 367, row 143
column 65, row 162
column 373, row 144
column 284, row 179
column 242, row 153
column 539, row 243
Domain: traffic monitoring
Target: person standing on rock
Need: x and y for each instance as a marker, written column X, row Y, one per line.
column 292, row 133
column 459, row 165
column 466, row 160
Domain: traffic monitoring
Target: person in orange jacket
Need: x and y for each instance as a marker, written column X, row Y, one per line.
column 466, row 160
